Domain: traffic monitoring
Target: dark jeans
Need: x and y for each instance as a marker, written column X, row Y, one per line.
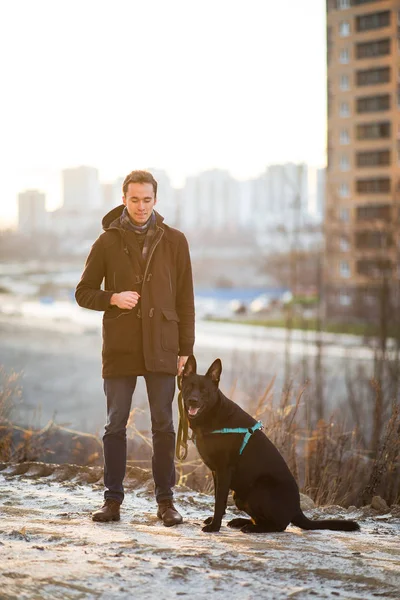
column 119, row 392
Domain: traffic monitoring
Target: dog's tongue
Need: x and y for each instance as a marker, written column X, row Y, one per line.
column 193, row 411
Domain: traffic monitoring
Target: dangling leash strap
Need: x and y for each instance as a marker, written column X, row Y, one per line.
column 248, row 432
column 183, row 427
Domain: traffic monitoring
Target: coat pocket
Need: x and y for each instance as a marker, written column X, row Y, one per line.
column 169, row 330
column 121, row 331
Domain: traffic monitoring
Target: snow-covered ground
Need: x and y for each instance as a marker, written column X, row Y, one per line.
column 50, row 548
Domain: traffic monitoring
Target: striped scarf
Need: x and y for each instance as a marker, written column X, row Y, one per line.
column 144, row 232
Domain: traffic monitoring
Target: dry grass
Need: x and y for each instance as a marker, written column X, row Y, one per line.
column 52, row 443
column 10, row 394
column 332, row 464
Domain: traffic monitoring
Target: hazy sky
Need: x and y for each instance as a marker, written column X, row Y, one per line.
column 183, row 85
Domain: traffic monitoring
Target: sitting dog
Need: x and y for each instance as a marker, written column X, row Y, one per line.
column 244, row 460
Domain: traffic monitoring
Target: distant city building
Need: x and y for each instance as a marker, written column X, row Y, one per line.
column 284, row 208
column 320, row 195
column 83, row 205
column 316, row 193
column 210, row 201
column 166, row 196
column 283, row 199
column 117, row 190
column 81, row 188
column 281, row 196
column 363, row 175
column 107, row 195
column 32, row 215
column 111, row 194
column 76, row 224
column 245, row 214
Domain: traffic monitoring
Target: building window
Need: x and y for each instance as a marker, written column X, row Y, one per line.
column 372, row 212
column 374, row 131
column 374, row 268
column 344, row 299
column 377, row 158
column 344, row 29
column 374, row 240
column 367, row 104
column 358, row 2
column 343, row 4
column 373, row 21
column 373, row 76
column 344, row 83
column 344, row 110
column 373, row 49
column 344, row 57
column 377, row 185
column 344, row 137
column 344, row 190
column 344, row 244
column 344, row 163
column 344, row 214
column 344, row 268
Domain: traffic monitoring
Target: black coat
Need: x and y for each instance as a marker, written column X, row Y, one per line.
column 160, row 327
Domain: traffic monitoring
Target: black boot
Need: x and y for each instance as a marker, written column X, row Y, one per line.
column 168, row 513
column 108, row 512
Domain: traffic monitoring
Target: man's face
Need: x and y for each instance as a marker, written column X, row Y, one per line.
column 139, row 201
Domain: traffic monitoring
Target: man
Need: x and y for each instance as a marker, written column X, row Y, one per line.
column 148, row 330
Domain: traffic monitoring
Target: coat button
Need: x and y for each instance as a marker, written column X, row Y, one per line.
column 151, row 312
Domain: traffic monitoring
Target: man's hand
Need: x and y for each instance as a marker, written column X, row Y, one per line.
column 181, row 363
column 125, row 299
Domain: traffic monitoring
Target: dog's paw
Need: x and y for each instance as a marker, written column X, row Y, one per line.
column 238, row 523
column 208, row 521
column 210, row 528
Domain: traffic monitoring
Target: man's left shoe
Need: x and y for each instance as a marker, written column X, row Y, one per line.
column 168, row 513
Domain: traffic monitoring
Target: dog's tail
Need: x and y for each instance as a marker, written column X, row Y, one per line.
column 300, row 520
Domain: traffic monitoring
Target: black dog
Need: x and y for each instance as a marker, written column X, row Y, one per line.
column 244, row 461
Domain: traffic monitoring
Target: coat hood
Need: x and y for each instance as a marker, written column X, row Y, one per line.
column 111, row 216
column 111, row 219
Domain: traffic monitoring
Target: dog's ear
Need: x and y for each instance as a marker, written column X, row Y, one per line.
column 190, row 367
column 214, row 372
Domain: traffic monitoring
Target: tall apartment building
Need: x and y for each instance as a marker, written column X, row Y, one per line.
column 363, row 175
column 32, row 216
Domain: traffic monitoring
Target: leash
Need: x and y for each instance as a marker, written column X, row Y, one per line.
column 183, row 427
column 248, row 431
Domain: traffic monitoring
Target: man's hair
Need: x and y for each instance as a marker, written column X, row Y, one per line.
column 139, row 177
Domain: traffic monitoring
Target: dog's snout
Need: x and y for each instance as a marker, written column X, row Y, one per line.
column 193, row 400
